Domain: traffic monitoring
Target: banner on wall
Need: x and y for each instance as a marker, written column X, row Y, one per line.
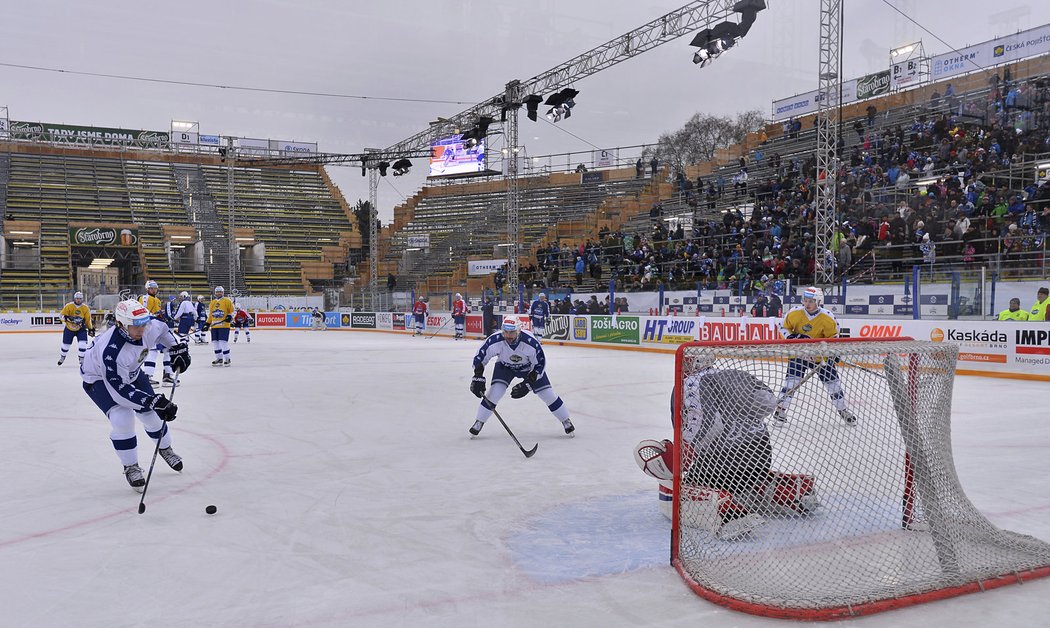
column 270, row 319
column 299, row 319
column 872, row 85
column 74, row 134
column 621, row 330
column 904, row 74
column 1027, row 43
column 484, row 266
column 103, row 236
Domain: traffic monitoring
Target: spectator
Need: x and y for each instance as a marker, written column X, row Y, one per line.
column 654, row 164
column 391, row 282
column 579, row 270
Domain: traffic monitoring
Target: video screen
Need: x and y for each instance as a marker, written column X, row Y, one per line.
column 450, row 156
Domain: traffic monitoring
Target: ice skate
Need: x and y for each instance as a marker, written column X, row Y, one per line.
column 81, row 361
column 216, row 362
column 133, row 473
column 61, row 360
column 780, row 416
column 569, row 427
column 740, row 527
column 248, row 338
column 476, row 428
column 153, row 380
column 227, row 362
column 173, row 459
column 848, row 416
column 170, row 381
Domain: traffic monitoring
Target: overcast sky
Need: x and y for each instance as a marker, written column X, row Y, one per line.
column 464, row 50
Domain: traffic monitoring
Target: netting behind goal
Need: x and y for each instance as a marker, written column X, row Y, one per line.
column 843, row 518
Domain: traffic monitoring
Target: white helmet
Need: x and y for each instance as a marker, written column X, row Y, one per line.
column 202, row 298
column 184, row 294
column 151, row 285
column 814, row 293
column 543, row 296
column 78, row 296
column 131, row 313
column 511, row 326
column 458, row 296
column 220, row 290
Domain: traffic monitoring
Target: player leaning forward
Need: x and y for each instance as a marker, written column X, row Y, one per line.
column 811, row 321
column 76, row 316
column 114, row 379
column 728, row 484
column 518, row 354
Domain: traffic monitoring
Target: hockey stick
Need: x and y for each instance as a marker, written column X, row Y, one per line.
column 528, row 452
column 864, row 368
column 429, row 336
column 156, row 450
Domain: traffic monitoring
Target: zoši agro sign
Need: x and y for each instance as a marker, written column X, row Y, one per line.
column 622, row 330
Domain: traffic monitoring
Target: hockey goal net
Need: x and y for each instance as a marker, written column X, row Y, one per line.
column 842, row 518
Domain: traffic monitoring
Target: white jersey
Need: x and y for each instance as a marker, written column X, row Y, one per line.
column 725, row 408
column 117, row 359
column 522, row 357
column 186, row 308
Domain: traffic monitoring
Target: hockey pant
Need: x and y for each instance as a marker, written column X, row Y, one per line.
column 539, row 326
column 247, row 333
column 220, row 343
column 420, row 323
column 459, row 321
column 67, row 340
column 501, row 379
column 826, row 371
column 122, row 415
column 150, row 365
column 199, row 334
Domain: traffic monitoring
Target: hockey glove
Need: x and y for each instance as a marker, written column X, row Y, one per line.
column 797, row 336
column 520, row 390
column 531, row 377
column 477, row 383
column 164, row 408
column 228, row 319
column 206, row 327
column 180, row 357
column 91, row 331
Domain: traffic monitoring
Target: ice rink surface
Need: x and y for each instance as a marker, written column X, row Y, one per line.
column 350, row 494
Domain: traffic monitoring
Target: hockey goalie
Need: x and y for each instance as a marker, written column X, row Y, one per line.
column 728, row 485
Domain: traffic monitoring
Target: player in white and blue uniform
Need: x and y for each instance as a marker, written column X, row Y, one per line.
column 170, row 310
column 202, row 318
column 185, row 316
column 518, row 355
column 113, row 378
column 540, row 312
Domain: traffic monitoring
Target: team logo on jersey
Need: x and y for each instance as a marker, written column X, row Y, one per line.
column 218, row 313
column 516, row 358
column 142, row 355
column 807, row 328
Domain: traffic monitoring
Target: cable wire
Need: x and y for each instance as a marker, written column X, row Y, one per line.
column 931, row 33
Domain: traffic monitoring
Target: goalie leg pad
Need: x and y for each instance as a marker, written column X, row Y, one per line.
column 791, row 494
column 715, row 511
column 656, row 459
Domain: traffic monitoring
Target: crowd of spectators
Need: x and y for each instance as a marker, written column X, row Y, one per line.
column 940, row 187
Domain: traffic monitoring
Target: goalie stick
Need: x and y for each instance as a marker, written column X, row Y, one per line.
column 528, row 452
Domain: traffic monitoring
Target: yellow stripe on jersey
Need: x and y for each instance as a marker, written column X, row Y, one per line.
column 76, row 312
column 218, row 310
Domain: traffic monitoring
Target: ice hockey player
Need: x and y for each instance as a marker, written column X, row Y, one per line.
column 518, row 355
column 540, row 312
column 77, row 319
column 459, row 316
column 728, row 483
column 170, row 310
column 811, row 320
column 152, row 302
column 419, row 315
column 114, row 380
column 202, row 318
column 317, row 316
column 220, row 315
column 240, row 321
column 186, row 315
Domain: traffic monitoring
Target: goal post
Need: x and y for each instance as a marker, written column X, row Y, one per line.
column 817, row 516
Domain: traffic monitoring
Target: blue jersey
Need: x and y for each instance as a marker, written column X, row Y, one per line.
column 521, row 358
column 541, row 310
column 202, row 311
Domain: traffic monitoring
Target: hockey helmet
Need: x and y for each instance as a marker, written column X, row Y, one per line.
column 184, row 294
column 151, row 285
column 78, row 297
column 458, row 296
column 201, row 298
column 814, row 293
column 220, row 290
column 131, row 313
column 511, row 327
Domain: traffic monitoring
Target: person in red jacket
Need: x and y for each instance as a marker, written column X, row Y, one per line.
column 419, row 313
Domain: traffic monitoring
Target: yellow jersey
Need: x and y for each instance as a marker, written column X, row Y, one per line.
column 821, row 324
column 1007, row 315
column 76, row 316
column 1039, row 311
column 151, row 303
column 218, row 311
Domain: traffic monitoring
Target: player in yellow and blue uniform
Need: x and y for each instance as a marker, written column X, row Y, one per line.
column 156, row 309
column 220, row 315
column 811, row 321
column 77, row 317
